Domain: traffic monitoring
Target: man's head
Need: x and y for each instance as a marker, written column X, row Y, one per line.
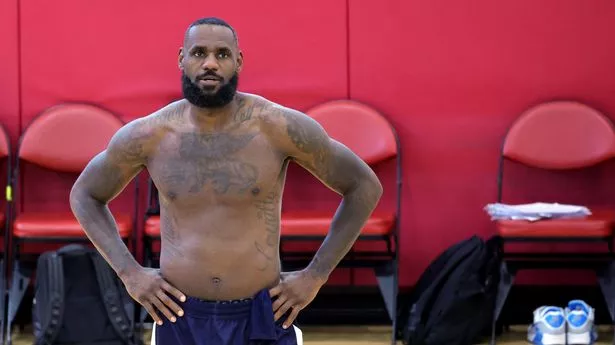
column 210, row 61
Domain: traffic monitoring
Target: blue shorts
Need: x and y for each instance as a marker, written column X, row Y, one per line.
column 244, row 322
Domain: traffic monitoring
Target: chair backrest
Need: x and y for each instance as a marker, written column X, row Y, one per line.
column 5, row 144
column 6, row 155
column 66, row 137
column 361, row 128
column 560, row 135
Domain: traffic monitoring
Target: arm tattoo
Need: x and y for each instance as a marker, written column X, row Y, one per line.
column 105, row 176
column 313, row 144
column 318, row 153
column 134, row 151
column 341, row 170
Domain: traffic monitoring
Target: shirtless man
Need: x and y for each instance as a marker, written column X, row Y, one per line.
column 218, row 158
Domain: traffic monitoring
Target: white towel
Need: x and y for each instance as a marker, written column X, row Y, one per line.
column 535, row 211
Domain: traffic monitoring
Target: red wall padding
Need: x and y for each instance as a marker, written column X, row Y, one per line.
column 124, row 55
column 9, row 68
column 450, row 76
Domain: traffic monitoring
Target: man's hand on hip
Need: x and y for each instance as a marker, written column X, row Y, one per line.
column 294, row 292
column 152, row 291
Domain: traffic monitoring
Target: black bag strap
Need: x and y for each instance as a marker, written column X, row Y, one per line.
column 111, row 298
column 53, row 310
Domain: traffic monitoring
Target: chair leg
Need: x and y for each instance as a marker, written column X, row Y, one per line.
column 19, row 284
column 506, row 281
column 3, row 295
column 395, row 303
column 387, row 276
column 146, row 252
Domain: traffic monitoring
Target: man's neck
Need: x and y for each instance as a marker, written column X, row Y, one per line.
column 213, row 118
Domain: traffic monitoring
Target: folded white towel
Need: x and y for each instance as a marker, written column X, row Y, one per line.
column 535, row 211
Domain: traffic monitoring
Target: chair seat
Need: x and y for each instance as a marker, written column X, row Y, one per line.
column 305, row 224
column 48, row 225
column 317, row 224
column 599, row 224
column 152, row 226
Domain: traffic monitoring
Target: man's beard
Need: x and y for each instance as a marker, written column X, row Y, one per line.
column 193, row 93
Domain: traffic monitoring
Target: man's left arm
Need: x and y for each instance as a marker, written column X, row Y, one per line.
column 306, row 143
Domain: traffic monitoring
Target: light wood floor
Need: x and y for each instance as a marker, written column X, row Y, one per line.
column 373, row 336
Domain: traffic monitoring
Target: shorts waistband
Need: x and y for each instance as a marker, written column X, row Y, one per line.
column 233, row 301
column 232, row 308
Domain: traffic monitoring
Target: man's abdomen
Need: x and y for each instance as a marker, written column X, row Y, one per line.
column 221, row 262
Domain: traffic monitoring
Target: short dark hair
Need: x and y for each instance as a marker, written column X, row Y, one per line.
column 213, row 21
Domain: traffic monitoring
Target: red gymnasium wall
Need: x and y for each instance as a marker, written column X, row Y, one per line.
column 9, row 69
column 451, row 76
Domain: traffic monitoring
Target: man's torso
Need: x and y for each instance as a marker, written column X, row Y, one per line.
column 220, row 198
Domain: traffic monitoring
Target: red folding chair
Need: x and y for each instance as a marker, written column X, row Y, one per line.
column 557, row 136
column 61, row 140
column 369, row 135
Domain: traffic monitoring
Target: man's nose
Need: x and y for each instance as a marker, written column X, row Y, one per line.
column 210, row 62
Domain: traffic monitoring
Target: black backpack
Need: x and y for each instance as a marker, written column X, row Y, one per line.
column 454, row 299
column 78, row 300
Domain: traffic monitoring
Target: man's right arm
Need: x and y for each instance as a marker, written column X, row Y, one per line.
column 106, row 176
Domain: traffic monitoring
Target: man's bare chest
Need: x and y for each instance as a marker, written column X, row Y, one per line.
column 223, row 166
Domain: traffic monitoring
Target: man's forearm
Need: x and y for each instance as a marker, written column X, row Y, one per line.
column 349, row 219
column 100, row 227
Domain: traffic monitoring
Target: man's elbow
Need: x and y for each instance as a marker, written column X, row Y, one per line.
column 376, row 188
column 79, row 195
column 76, row 196
column 371, row 188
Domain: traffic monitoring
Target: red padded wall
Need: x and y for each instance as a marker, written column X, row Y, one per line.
column 452, row 76
column 124, row 55
column 9, row 68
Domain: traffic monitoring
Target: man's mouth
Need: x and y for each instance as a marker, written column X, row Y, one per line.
column 209, row 80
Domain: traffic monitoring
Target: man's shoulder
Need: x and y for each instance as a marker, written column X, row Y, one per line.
column 148, row 128
column 271, row 113
column 156, row 121
column 288, row 129
column 167, row 115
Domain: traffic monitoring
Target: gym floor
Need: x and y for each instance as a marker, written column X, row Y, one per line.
column 372, row 335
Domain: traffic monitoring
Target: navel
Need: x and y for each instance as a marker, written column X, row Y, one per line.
column 256, row 191
column 172, row 195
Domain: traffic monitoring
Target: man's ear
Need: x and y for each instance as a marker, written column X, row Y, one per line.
column 239, row 61
column 180, row 59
